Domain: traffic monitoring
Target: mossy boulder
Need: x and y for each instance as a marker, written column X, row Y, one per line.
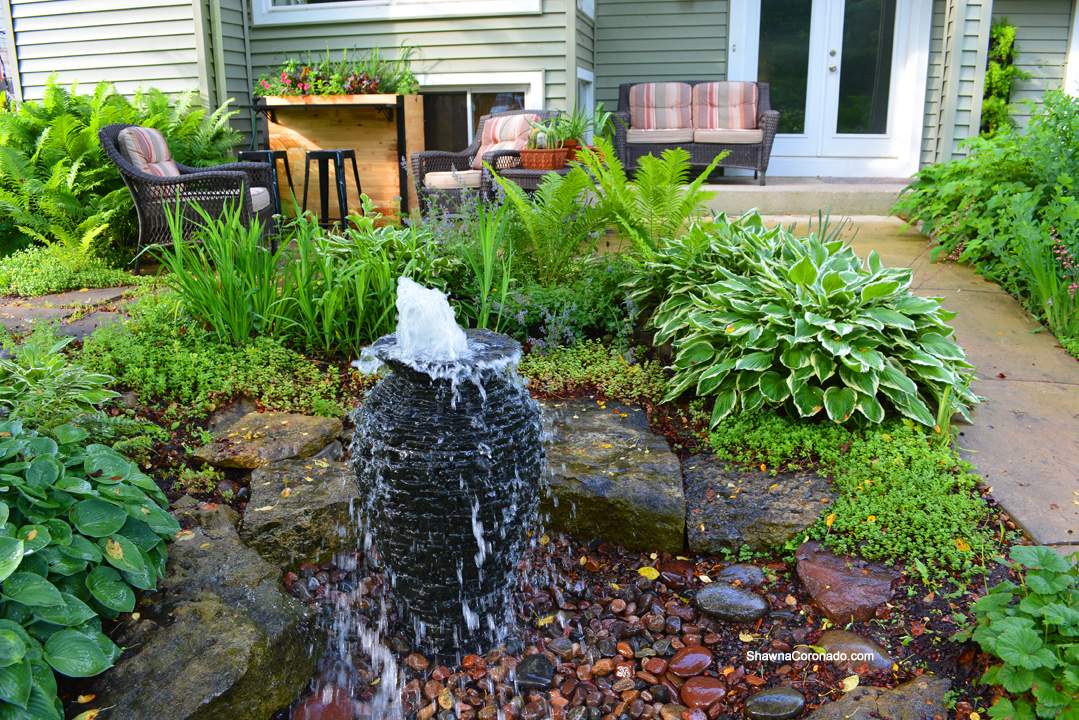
column 222, row 638
column 613, row 477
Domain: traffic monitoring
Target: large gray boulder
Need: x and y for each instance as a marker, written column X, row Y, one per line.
column 258, row 439
column 223, row 639
column 300, row 511
column 612, row 476
column 731, row 508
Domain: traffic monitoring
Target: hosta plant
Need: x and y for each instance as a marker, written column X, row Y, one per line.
column 761, row 318
column 1034, row 628
column 80, row 526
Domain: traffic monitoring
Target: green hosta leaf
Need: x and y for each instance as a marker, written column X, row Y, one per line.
column 747, row 380
column 72, row 613
column 97, row 518
column 823, row 366
column 816, row 320
column 43, row 471
column 878, row 290
column 865, row 382
column 16, row 681
column 82, row 549
column 833, row 343
column 1038, row 557
column 940, row 346
column 122, row 554
column 920, row 358
column 110, row 590
column 803, row 272
column 890, row 318
column 73, row 654
column 69, row 434
column 809, row 399
column 893, row 378
column 725, row 402
column 31, row 589
column 870, row 408
column 795, row 358
column 831, row 282
column 11, row 552
column 696, row 353
column 867, row 357
column 840, row 403
column 60, row 532
column 755, row 361
column 710, row 379
column 61, row 564
column 34, row 537
column 1025, row 649
column 913, row 305
column 752, row 400
column 12, row 648
column 5, row 511
column 774, row 387
column 913, row 407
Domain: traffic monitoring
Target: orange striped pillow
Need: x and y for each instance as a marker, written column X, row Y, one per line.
column 508, row 132
column 660, row 106
column 146, row 149
column 725, row 106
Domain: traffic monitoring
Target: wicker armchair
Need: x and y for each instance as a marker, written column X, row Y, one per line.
column 748, row 156
column 442, row 161
column 212, row 189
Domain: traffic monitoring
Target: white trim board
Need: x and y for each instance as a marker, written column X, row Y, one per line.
column 1071, row 67
column 264, row 12
column 532, row 82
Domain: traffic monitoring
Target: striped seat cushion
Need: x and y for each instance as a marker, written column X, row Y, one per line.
column 725, row 106
column 508, row 132
column 146, row 149
column 660, row 106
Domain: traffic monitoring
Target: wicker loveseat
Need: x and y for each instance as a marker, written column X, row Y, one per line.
column 158, row 182
column 445, row 178
column 703, row 117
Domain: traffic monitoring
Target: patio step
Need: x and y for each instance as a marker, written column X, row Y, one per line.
column 806, row 195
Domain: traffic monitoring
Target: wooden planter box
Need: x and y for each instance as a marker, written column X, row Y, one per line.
column 382, row 129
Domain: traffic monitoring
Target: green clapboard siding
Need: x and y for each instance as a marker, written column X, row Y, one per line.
column 586, row 42
column 505, row 43
column 234, row 55
column 133, row 43
column 1041, row 33
column 639, row 41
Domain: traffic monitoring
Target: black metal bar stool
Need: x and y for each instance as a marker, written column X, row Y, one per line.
column 271, row 157
column 323, row 157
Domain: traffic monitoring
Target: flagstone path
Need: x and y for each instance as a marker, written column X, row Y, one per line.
column 76, row 313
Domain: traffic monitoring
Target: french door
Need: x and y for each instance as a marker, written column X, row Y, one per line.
column 847, row 76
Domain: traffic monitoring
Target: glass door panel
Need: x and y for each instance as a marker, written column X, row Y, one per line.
column 865, row 71
column 783, row 59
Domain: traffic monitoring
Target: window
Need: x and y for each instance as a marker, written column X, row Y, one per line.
column 283, row 12
column 451, row 118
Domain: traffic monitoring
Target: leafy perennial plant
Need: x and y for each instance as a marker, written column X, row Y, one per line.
column 760, row 318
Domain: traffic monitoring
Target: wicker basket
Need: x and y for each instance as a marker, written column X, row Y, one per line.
column 550, row 159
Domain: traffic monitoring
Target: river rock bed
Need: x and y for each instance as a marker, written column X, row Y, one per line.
column 605, row 634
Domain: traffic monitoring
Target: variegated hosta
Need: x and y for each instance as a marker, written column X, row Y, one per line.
column 760, row 317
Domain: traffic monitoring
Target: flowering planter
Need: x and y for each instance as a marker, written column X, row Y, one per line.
column 382, row 129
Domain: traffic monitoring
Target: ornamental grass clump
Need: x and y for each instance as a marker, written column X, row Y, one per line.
column 760, row 318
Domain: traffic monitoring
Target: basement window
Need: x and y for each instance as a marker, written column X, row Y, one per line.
column 286, row 12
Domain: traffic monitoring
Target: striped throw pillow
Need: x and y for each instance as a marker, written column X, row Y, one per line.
column 660, row 106
column 508, row 132
column 725, row 106
column 146, row 149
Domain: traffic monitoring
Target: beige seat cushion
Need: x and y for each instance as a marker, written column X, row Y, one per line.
column 659, row 136
column 729, row 137
column 452, row 180
column 260, row 199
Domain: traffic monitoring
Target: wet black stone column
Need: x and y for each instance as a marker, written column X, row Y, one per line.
column 440, row 461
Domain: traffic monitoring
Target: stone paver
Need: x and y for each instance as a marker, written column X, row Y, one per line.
column 22, row 319
column 85, row 327
column 77, row 298
column 19, row 315
column 1025, row 437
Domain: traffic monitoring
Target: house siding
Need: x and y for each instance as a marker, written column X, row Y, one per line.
column 586, row 42
column 508, row 43
column 654, row 41
column 1042, row 28
column 958, row 51
column 132, row 43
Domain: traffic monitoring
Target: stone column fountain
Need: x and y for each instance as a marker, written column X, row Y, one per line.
column 448, row 452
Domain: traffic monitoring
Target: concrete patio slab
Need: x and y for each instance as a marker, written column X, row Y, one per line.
column 1024, row 438
column 79, row 298
column 806, row 195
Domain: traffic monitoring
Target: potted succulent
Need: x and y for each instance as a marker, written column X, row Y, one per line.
column 545, row 149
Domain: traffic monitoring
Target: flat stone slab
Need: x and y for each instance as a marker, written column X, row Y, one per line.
column 79, row 298
column 19, row 319
column 1024, row 439
column 845, row 587
column 299, row 511
column 258, row 439
column 726, row 510
column 612, row 476
column 225, row 640
column 919, row 699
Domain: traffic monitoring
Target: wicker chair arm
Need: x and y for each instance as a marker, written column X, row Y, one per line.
column 502, row 159
column 261, row 174
column 768, row 121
